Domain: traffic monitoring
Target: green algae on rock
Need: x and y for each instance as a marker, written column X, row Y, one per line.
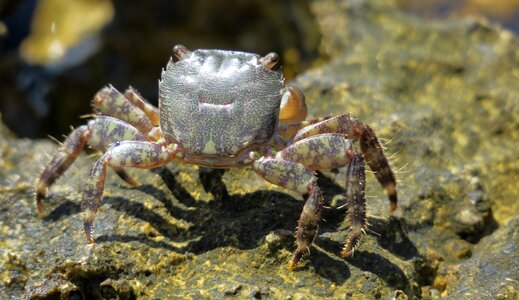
column 445, row 96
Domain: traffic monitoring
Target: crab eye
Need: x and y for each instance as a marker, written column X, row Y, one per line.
column 293, row 107
column 180, row 52
column 270, row 60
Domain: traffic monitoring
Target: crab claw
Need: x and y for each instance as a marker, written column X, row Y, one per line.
column 293, row 106
column 270, row 60
column 180, row 52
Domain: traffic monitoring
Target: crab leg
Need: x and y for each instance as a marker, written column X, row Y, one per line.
column 319, row 152
column 61, row 161
column 135, row 154
column 355, row 182
column 288, row 130
column 110, row 102
column 325, row 151
column 136, row 99
column 296, row 177
column 100, row 133
column 369, row 146
column 108, row 130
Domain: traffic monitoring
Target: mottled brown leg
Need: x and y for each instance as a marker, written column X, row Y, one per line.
column 288, row 130
column 377, row 162
column 100, row 133
column 308, row 224
column 65, row 156
column 110, row 102
column 319, row 152
column 369, row 144
column 296, row 177
column 355, row 183
column 124, row 154
column 325, row 151
column 106, row 131
column 136, row 99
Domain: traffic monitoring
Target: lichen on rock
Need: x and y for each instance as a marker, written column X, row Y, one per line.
column 442, row 94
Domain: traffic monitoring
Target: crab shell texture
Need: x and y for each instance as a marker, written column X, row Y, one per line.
column 219, row 103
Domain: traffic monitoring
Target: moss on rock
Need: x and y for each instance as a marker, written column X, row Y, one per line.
column 443, row 94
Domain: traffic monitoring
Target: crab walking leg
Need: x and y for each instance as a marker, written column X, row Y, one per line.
column 319, row 152
column 135, row 154
column 289, row 130
column 151, row 111
column 369, row 145
column 100, row 133
column 110, row 102
column 107, row 130
column 355, row 184
column 296, row 177
column 325, row 151
column 61, row 161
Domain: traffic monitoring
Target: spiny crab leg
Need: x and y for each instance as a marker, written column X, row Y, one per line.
column 61, row 161
column 134, row 154
column 296, row 177
column 370, row 147
column 99, row 134
column 110, row 102
column 293, row 167
column 136, row 99
column 289, row 130
column 355, row 195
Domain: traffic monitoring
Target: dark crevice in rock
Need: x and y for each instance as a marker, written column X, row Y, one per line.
column 489, row 227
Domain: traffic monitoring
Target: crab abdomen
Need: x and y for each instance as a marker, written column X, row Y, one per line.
column 218, row 102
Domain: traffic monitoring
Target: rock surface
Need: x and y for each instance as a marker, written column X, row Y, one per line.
column 443, row 94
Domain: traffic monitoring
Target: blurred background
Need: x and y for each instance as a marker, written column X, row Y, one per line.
column 56, row 54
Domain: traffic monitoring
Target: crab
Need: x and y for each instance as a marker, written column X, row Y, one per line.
column 226, row 109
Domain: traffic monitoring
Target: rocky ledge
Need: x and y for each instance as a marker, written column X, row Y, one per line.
column 443, row 94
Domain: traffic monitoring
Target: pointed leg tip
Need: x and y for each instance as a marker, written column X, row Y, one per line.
column 41, row 212
column 345, row 253
column 40, row 198
column 298, row 254
column 135, row 184
column 90, row 239
column 89, row 230
column 292, row 266
column 393, row 203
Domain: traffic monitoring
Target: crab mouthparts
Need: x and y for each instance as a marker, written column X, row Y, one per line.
column 227, row 103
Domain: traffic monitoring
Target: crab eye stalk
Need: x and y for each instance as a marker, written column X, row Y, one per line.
column 180, row 52
column 270, row 60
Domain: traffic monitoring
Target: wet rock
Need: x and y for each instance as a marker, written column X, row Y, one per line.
column 443, row 94
column 491, row 273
